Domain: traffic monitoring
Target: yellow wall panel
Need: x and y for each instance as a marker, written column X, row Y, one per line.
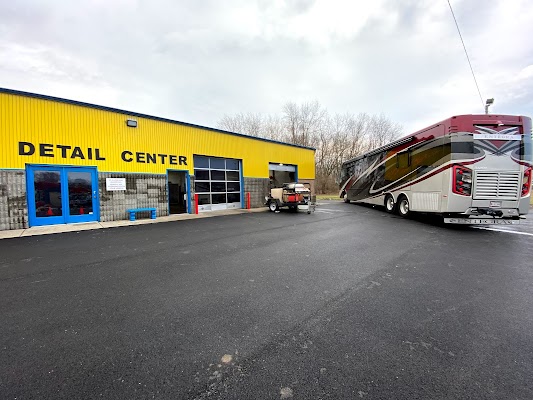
column 70, row 134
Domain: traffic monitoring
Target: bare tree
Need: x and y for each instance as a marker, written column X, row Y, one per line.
column 343, row 138
column 231, row 123
column 381, row 131
column 273, row 128
column 336, row 138
column 304, row 122
column 248, row 124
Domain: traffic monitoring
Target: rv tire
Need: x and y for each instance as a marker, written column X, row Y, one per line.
column 403, row 206
column 390, row 205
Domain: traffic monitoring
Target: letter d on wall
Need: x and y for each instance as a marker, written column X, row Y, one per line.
column 26, row 149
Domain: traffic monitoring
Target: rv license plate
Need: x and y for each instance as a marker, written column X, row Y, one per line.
column 494, row 204
column 481, row 221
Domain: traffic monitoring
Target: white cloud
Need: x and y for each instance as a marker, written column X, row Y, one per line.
column 196, row 61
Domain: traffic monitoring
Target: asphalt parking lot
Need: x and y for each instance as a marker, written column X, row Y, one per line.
column 348, row 302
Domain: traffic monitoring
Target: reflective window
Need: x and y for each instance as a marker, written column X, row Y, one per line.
column 233, row 176
column 218, row 186
column 526, row 148
column 219, row 198
column 218, row 163
column 80, row 197
column 234, row 197
column 201, row 162
column 201, row 174
column 217, row 175
column 234, row 186
column 463, row 147
column 403, row 160
column 201, row 187
column 232, row 164
column 204, row 199
column 47, row 185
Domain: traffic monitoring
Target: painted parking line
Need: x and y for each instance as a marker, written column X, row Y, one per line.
column 506, row 231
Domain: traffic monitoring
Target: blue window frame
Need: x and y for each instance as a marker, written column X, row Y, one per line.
column 61, row 194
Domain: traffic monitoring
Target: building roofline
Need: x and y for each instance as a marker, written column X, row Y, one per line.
column 139, row 115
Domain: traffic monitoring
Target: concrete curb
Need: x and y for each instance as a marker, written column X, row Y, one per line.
column 86, row 226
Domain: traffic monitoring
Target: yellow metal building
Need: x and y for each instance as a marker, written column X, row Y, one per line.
column 63, row 161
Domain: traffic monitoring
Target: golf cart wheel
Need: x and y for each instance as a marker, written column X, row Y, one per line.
column 403, row 206
column 390, row 205
column 273, row 206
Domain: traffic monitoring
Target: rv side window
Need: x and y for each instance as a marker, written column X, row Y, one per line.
column 526, row 148
column 403, row 160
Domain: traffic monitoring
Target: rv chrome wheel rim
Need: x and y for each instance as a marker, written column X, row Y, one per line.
column 404, row 206
column 390, row 203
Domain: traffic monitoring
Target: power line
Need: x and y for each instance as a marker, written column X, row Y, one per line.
column 468, row 58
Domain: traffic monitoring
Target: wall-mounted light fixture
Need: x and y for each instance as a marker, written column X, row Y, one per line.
column 131, row 123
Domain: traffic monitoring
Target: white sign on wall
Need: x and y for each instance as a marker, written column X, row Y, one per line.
column 115, row 184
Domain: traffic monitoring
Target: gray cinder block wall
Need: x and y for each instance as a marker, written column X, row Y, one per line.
column 13, row 204
column 142, row 190
column 258, row 188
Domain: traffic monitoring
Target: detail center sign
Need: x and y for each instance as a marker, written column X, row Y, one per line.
column 90, row 153
column 112, row 184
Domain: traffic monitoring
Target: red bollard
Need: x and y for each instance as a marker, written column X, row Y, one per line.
column 196, row 203
column 248, row 201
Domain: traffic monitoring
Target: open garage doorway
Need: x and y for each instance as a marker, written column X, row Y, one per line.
column 280, row 174
column 178, row 197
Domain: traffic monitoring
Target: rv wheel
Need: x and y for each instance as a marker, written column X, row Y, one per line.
column 403, row 206
column 390, row 206
column 346, row 199
column 273, row 206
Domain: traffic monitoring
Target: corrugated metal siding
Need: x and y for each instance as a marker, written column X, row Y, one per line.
column 27, row 119
column 496, row 185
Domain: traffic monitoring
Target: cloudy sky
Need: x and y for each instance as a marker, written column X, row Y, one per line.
column 195, row 61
